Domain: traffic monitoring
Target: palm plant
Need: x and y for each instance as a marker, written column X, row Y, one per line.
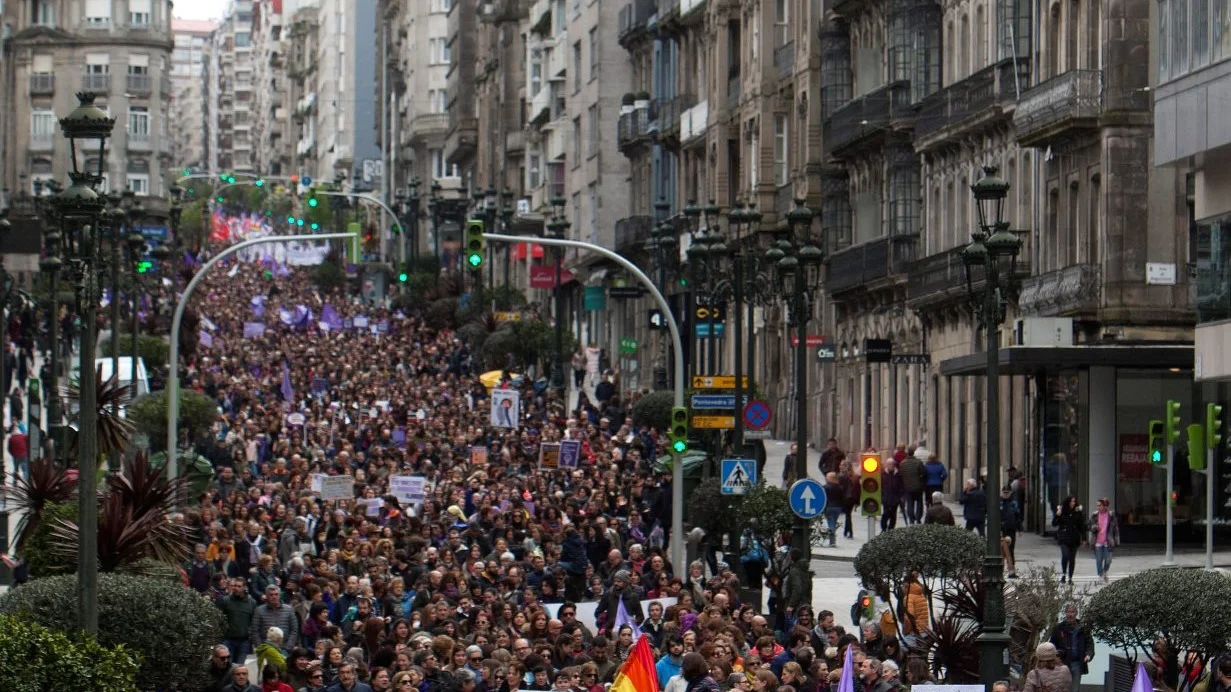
column 476, row 331
column 114, row 432
column 134, row 525
column 47, row 485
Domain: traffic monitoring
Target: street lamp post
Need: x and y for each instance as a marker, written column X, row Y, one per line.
column 990, row 261
column 558, row 228
column 797, row 263
column 80, row 207
column 663, row 247
column 506, row 223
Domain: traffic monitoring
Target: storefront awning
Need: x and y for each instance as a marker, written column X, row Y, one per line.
column 1032, row 360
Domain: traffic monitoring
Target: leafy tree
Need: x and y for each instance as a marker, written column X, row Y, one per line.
column 711, row 510
column 534, row 343
column 1034, row 603
column 34, row 658
column 653, row 410
column 167, row 625
column 148, row 413
column 329, row 275
column 192, row 223
column 322, row 213
column 1190, row 609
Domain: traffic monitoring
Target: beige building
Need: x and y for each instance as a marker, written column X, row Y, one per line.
column 121, row 51
column 189, row 108
column 230, row 94
column 270, row 116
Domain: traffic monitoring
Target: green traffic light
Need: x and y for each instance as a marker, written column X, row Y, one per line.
column 679, row 446
column 683, row 281
column 187, row 171
column 315, row 226
column 1156, row 457
column 403, row 277
column 259, row 183
column 298, row 222
column 290, row 219
column 220, row 200
column 312, row 202
column 144, row 266
column 474, row 259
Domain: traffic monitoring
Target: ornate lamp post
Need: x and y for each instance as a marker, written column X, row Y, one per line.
column 506, row 224
column 797, row 263
column 79, row 208
column 663, row 248
column 558, row 228
column 990, row 261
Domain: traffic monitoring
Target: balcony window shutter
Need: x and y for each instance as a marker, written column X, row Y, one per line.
column 43, row 64
column 139, row 60
column 98, row 59
column 98, row 9
column 139, row 6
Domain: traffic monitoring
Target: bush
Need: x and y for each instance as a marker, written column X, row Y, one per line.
column 167, row 625
column 653, row 410
column 41, row 560
column 34, row 658
column 937, row 553
column 770, row 506
column 149, row 413
column 154, row 351
column 1188, row 608
column 711, row 510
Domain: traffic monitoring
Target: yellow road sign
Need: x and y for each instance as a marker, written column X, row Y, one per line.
column 715, row 382
column 713, row 422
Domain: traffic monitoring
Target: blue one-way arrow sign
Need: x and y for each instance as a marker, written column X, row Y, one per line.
column 807, row 498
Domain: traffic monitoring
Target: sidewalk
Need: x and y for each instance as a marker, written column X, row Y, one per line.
column 1032, row 549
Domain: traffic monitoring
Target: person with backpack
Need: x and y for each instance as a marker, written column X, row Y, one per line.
column 753, row 556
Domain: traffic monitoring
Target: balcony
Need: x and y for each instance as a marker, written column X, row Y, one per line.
column 139, row 83
column 1059, row 109
column 669, row 111
column 944, row 112
column 557, row 58
column 734, row 88
column 515, row 141
column 784, row 60
column 694, row 121
column 633, row 19
column 139, row 141
column 97, row 83
column 462, row 141
column 1070, row 292
column 540, row 17
column 868, row 263
column 941, row 278
column 426, row 124
column 42, row 142
column 631, row 233
column 636, row 128
column 43, row 83
column 867, row 117
column 540, row 107
column 691, row 10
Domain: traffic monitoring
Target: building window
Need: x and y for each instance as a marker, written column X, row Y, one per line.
column 593, row 52
column 592, row 124
column 437, row 100
column 782, row 174
column 576, row 229
column 139, row 183
column 98, row 12
column 139, row 124
column 44, row 13
column 576, row 66
column 536, row 71
column 440, row 167
column 576, row 141
column 442, row 5
column 139, row 13
column 534, row 172
column 782, row 23
column 593, row 224
column 243, row 39
column 42, row 125
column 1191, row 34
column 439, row 51
column 561, row 19
column 754, row 158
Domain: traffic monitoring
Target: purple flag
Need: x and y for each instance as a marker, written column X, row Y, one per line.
column 1141, row 681
column 287, row 392
column 205, row 338
column 622, row 618
column 847, row 682
column 285, row 317
column 253, row 330
column 189, row 260
column 255, row 370
column 303, row 315
column 258, row 306
column 330, row 317
column 282, row 270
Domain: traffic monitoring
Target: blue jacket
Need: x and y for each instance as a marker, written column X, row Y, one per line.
column 573, row 552
column 667, row 669
column 935, row 473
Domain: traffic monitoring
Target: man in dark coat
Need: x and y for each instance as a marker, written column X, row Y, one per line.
column 938, row 513
column 891, row 495
column 974, row 506
column 610, row 604
column 913, row 477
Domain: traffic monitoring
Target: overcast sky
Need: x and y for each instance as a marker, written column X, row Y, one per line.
column 200, row 9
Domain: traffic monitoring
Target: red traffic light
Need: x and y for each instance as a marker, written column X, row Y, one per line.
column 865, row 602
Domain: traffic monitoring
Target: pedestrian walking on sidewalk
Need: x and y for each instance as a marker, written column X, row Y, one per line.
column 914, row 478
column 1070, row 523
column 935, row 475
column 1104, row 536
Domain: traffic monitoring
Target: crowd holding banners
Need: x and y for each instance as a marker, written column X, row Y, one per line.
column 354, row 538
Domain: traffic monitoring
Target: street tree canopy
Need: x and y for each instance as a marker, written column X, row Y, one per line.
column 1189, row 608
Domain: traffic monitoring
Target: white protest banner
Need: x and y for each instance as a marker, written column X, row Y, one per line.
column 337, row 488
column 506, row 408
column 373, row 504
column 585, row 612
column 316, row 482
column 407, row 489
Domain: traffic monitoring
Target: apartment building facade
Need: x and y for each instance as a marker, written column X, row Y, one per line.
column 120, row 51
column 189, row 108
column 1190, row 77
column 270, row 116
column 231, row 91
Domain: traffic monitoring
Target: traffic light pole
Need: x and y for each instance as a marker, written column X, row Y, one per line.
column 677, row 465
column 173, row 377
column 1210, row 477
column 1170, row 560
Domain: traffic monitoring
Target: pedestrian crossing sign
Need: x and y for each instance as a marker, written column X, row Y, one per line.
column 738, row 476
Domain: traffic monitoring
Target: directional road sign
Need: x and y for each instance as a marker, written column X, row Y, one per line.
column 713, row 402
column 807, row 498
column 715, row 382
column 713, row 422
column 738, row 475
column 756, row 415
column 756, row 435
column 703, row 330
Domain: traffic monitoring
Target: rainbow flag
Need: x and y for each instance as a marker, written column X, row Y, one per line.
column 638, row 674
